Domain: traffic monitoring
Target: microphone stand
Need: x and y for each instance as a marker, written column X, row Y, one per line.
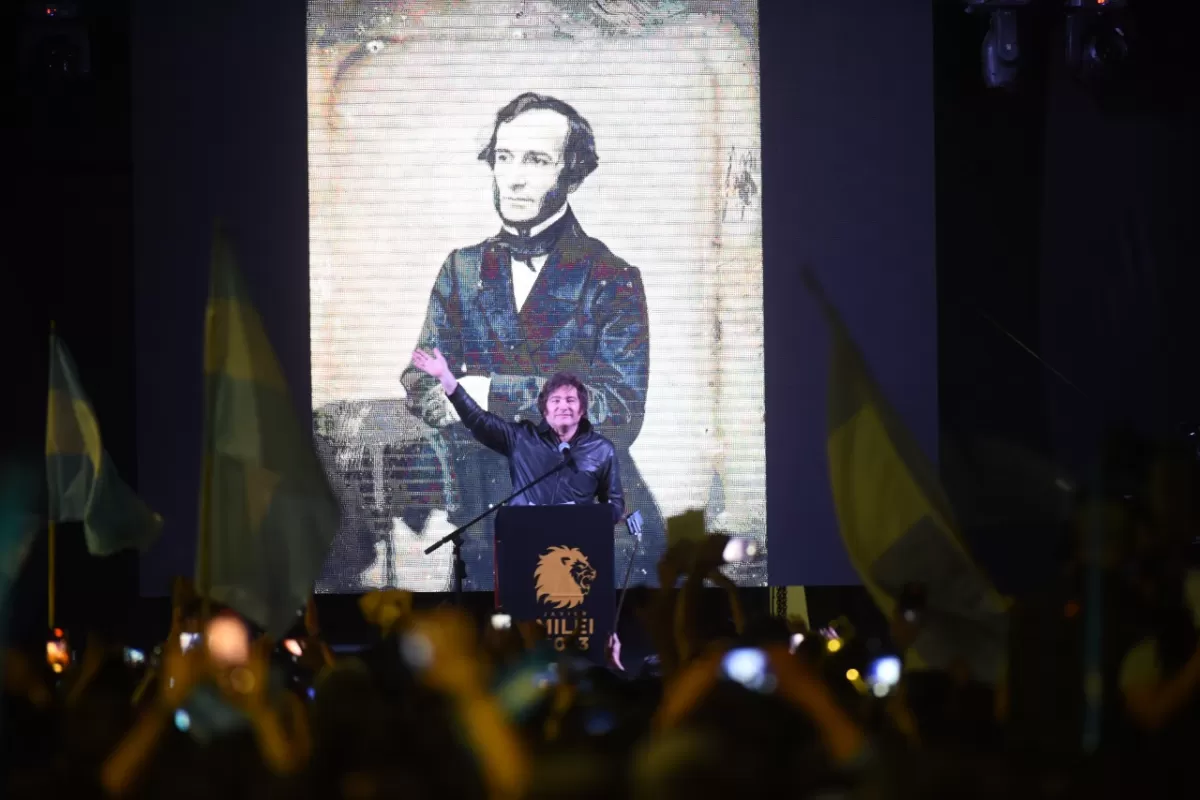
column 634, row 522
column 637, row 539
column 455, row 537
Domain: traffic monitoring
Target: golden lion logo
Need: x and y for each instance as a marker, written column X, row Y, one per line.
column 563, row 576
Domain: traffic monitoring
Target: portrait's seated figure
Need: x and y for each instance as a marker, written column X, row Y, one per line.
column 391, row 473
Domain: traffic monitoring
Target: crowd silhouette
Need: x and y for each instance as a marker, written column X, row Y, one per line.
column 441, row 704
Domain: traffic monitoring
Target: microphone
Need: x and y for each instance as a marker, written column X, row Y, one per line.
column 633, row 522
column 565, row 449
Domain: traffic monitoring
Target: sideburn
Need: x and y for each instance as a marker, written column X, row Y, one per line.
column 551, row 202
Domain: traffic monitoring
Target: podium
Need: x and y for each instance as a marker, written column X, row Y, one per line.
column 554, row 565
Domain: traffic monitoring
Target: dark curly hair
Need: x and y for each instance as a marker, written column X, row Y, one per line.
column 557, row 381
column 579, row 151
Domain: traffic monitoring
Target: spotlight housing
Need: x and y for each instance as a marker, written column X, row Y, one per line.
column 1000, row 52
column 1097, row 42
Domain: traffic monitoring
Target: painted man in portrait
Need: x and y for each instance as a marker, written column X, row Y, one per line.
column 537, row 298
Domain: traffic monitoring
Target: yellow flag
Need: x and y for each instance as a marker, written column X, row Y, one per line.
column 268, row 514
column 896, row 522
column 83, row 486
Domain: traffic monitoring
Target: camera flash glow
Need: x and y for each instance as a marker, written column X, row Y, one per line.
column 887, row 671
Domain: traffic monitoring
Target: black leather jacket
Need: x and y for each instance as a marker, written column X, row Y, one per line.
column 532, row 450
column 586, row 314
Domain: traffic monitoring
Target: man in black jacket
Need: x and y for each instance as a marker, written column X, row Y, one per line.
column 538, row 298
column 535, row 449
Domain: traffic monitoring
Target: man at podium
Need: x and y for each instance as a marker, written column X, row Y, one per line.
column 533, row 449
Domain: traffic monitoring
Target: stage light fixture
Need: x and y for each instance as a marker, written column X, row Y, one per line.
column 1106, row 52
column 1000, row 52
column 54, row 42
column 1097, row 43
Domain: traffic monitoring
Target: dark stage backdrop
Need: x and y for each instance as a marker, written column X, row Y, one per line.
column 1063, row 211
column 1119, row 285
column 221, row 109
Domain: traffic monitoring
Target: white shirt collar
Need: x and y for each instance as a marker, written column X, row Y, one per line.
column 541, row 226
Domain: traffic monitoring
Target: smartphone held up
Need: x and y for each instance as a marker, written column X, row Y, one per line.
column 58, row 651
column 228, row 641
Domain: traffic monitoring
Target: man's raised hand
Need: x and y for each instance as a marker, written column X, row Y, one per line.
column 435, row 366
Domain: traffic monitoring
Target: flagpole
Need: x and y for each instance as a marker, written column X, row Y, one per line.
column 52, row 542
column 204, row 539
column 51, row 537
column 204, row 555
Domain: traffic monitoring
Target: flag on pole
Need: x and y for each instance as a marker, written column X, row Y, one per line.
column 267, row 512
column 83, row 483
column 896, row 521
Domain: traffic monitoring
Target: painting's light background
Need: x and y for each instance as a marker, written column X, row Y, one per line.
column 395, row 126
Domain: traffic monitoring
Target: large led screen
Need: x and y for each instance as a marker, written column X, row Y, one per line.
column 533, row 187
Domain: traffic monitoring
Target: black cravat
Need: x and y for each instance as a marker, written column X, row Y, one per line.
column 524, row 248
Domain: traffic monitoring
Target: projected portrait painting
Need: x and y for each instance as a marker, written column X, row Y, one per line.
column 533, row 187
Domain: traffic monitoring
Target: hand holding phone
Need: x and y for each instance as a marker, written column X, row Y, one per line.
column 738, row 549
column 248, row 685
column 58, row 651
column 686, row 527
column 228, row 641
column 178, row 673
column 440, row 646
column 748, row 666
